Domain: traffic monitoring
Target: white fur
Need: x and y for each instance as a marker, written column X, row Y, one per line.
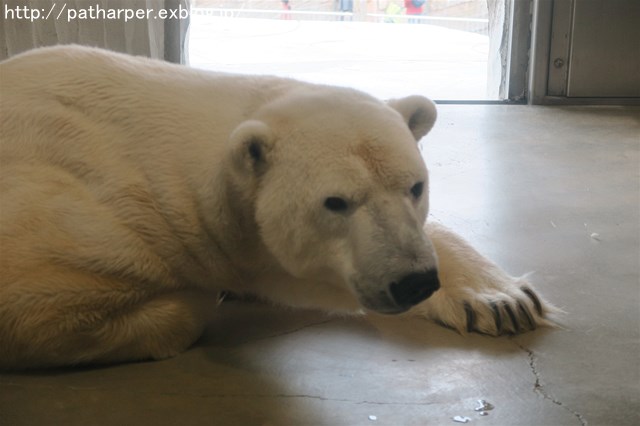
column 133, row 191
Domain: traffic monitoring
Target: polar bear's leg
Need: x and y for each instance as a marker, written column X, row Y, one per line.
column 67, row 326
column 160, row 328
column 476, row 295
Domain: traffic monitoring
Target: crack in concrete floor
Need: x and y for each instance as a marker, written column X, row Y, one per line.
column 353, row 401
column 217, row 396
column 292, row 331
column 539, row 388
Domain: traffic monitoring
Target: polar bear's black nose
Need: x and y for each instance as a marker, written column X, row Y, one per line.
column 414, row 288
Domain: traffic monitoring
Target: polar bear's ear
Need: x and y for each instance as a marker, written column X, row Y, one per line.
column 418, row 112
column 251, row 143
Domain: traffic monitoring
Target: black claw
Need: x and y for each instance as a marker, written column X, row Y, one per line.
column 534, row 299
column 522, row 308
column 512, row 317
column 497, row 317
column 471, row 317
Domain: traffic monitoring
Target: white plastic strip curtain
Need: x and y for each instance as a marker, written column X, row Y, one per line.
column 154, row 28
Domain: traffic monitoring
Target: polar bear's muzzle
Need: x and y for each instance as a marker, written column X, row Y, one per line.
column 396, row 263
column 414, row 288
column 400, row 295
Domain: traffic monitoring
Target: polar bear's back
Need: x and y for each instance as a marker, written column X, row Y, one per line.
column 145, row 98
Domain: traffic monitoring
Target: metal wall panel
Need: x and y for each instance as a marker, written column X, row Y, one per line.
column 604, row 58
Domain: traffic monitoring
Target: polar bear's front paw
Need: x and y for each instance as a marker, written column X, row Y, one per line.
column 493, row 310
column 510, row 315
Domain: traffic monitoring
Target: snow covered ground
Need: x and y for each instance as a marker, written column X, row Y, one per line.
column 386, row 60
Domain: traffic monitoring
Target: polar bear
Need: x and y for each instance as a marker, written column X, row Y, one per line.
column 133, row 192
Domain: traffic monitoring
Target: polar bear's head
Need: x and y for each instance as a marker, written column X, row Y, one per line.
column 340, row 192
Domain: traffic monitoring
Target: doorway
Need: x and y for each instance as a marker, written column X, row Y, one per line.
column 444, row 49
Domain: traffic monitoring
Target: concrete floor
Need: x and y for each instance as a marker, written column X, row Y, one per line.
column 554, row 190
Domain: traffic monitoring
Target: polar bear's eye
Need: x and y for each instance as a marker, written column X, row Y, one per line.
column 416, row 190
column 336, row 204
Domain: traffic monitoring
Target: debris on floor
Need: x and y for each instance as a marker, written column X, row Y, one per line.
column 484, row 406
